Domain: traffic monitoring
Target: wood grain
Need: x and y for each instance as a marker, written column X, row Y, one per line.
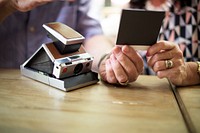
column 190, row 97
column 147, row 105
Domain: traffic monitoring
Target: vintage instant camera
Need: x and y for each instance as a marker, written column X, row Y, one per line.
column 63, row 63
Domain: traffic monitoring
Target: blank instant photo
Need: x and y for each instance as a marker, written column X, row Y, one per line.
column 139, row 28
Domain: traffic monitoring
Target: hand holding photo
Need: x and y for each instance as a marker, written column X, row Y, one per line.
column 139, row 28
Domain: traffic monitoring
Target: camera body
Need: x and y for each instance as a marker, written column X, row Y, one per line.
column 68, row 43
column 62, row 63
column 72, row 65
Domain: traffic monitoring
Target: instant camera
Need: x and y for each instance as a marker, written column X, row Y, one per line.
column 63, row 63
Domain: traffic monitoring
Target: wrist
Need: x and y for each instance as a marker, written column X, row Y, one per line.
column 101, row 59
column 198, row 68
column 193, row 76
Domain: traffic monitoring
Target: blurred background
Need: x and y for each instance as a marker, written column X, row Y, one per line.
column 109, row 15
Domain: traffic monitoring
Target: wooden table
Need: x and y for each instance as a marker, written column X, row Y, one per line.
column 147, row 105
column 189, row 100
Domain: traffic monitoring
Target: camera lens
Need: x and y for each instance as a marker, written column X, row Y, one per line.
column 78, row 68
column 88, row 64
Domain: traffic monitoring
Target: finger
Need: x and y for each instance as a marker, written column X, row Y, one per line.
column 161, row 45
column 171, row 74
column 167, row 73
column 110, row 76
column 127, row 65
column 174, row 54
column 129, row 68
column 159, row 66
column 134, row 57
column 118, row 70
column 24, row 6
column 160, row 56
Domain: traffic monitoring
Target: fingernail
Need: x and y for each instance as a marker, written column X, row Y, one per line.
column 117, row 50
column 125, row 49
column 147, row 54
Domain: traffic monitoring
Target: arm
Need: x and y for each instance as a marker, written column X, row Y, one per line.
column 98, row 46
column 193, row 77
column 7, row 7
column 122, row 64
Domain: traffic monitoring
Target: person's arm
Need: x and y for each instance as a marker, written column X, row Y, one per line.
column 121, row 65
column 98, row 46
column 193, row 77
column 7, row 7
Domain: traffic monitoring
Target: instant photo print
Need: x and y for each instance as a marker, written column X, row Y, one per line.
column 63, row 63
column 139, row 28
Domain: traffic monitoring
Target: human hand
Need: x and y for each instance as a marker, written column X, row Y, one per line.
column 24, row 5
column 122, row 65
column 7, row 7
column 166, row 59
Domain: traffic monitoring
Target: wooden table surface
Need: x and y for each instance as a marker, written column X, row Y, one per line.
column 147, row 105
column 190, row 100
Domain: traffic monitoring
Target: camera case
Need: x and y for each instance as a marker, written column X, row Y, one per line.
column 62, row 63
